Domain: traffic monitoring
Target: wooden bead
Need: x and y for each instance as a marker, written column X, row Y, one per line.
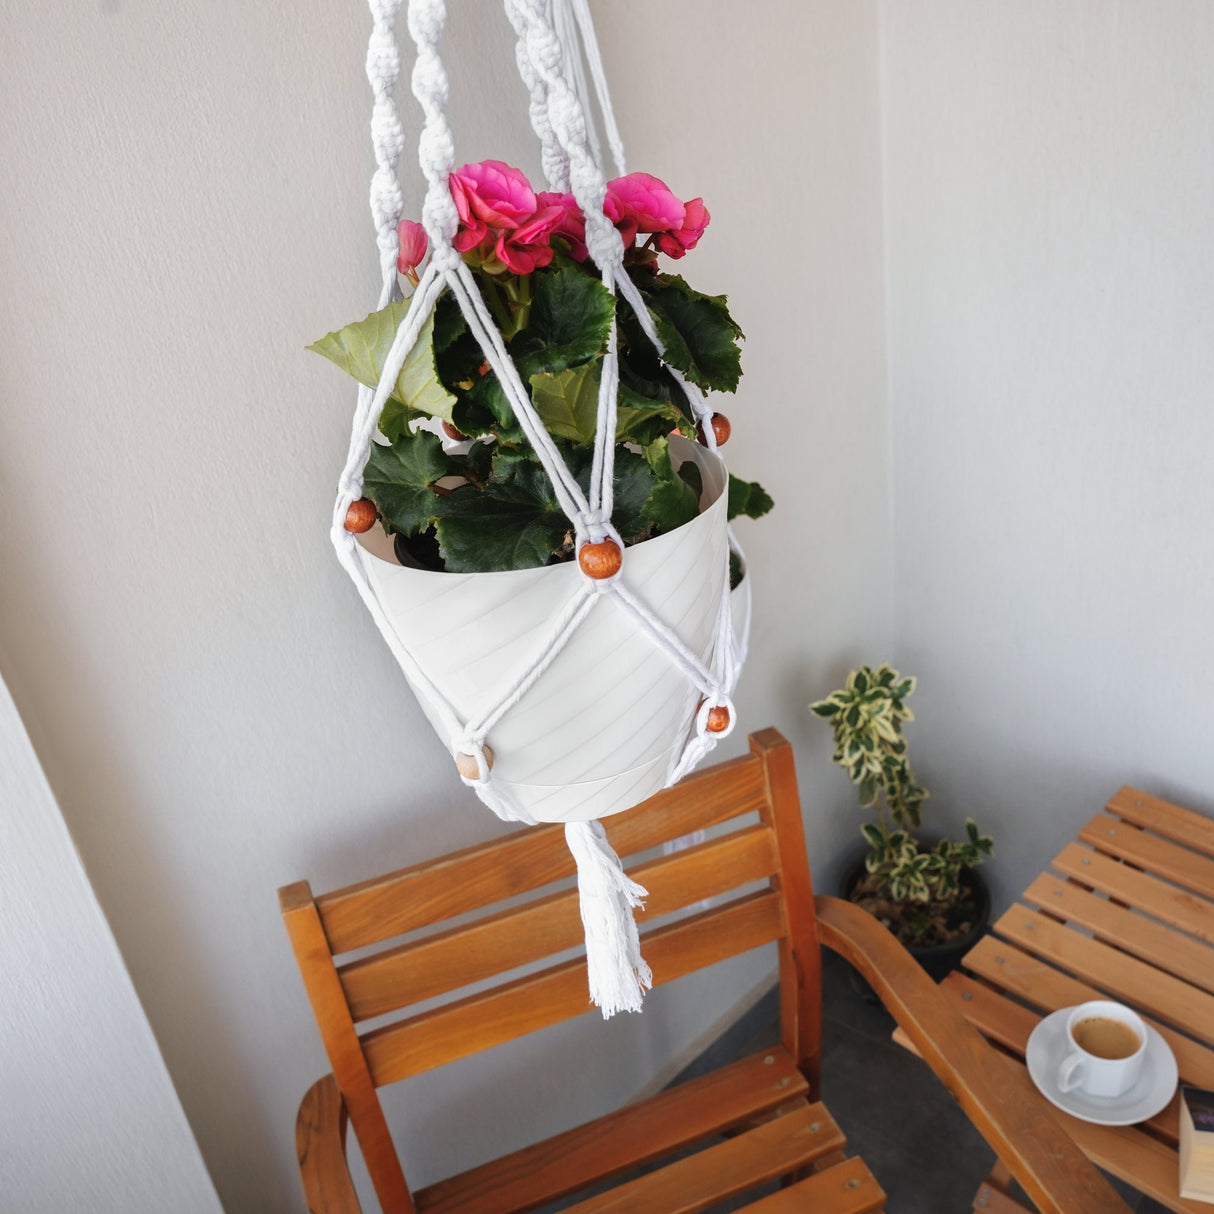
column 466, row 764
column 361, row 516
column 721, row 429
column 600, row 560
column 456, row 436
column 718, row 719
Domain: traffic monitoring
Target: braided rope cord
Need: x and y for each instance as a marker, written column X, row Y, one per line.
column 559, row 119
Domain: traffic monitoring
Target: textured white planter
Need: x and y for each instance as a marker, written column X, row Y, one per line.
column 596, row 733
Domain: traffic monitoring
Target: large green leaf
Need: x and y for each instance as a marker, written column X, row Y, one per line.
column 361, row 350
column 570, row 320
column 568, row 405
column 398, row 480
column 513, row 523
column 748, row 497
column 673, row 502
column 568, row 402
column 697, row 331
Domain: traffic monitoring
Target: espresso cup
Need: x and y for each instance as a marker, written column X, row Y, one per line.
column 1106, row 1043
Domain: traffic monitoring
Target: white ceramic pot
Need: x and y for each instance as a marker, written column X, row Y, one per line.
column 596, row 733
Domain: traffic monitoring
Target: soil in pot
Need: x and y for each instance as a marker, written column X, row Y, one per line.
column 937, row 936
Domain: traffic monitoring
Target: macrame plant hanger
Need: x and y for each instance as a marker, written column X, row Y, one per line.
column 552, row 39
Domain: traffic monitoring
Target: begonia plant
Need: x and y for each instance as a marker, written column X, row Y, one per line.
column 455, row 479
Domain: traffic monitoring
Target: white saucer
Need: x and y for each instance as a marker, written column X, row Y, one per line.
column 1047, row 1048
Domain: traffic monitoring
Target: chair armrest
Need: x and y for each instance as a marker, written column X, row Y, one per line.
column 320, row 1145
column 1010, row 1114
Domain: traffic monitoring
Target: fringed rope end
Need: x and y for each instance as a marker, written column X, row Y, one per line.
column 617, row 973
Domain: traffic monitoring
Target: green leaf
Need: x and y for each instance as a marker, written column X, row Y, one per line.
column 824, row 708
column 568, row 402
column 673, row 502
column 699, row 335
column 449, row 323
column 748, row 498
column 571, row 315
column 487, row 396
column 641, row 420
column 398, row 480
column 634, row 485
column 875, row 836
column 514, row 523
column 361, row 350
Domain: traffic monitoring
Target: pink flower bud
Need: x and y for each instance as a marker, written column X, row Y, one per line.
column 676, row 241
column 413, row 246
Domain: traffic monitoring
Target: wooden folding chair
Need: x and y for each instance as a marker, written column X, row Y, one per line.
column 752, row 1123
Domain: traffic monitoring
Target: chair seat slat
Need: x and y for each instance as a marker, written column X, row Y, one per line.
column 1164, row 818
column 1110, row 969
column 1135, row 934
column 1150, row 852
column 726, row 1169
column 636, row 1135
column 1176, row 907
column 847, row 1188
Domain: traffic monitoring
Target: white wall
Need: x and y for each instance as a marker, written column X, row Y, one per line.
column 184, row 210
column 1049, row 193
column 89, row 1119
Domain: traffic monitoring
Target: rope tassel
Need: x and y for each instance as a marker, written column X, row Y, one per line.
column 618, row 975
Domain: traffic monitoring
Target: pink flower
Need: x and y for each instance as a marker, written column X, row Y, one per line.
column 413, row 246
column 641, row 203
column 489, row 195
column 524, row 248
column 676, row 241
column 572, row 225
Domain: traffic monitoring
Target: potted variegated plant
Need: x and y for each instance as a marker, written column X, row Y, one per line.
column 455, row 480
column 926, row 892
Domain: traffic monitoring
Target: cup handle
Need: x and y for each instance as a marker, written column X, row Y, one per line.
column 1067, row 1077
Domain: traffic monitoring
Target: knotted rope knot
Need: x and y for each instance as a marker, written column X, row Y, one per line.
column 426, row 22
column 543, row 45
column 444, row 257
column 387, row 134
column 349, row 489
column 593, row 527
column 603, row 242
column 383, row 59
column 384, row 10
column 441, row 220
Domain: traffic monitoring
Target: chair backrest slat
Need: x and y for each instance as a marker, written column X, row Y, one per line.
column 424, row 894
column 435, row 965
column 539, row 1000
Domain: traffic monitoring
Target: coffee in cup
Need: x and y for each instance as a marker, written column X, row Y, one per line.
column 1105, row 1037
column 1106, row 1043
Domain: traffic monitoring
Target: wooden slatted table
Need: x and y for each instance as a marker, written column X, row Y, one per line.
column 1127, row 913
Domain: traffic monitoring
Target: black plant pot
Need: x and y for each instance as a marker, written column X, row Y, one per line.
column 937, row 959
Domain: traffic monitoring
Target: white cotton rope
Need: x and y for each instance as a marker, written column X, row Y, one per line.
column 553, row 38
column 617, row 974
